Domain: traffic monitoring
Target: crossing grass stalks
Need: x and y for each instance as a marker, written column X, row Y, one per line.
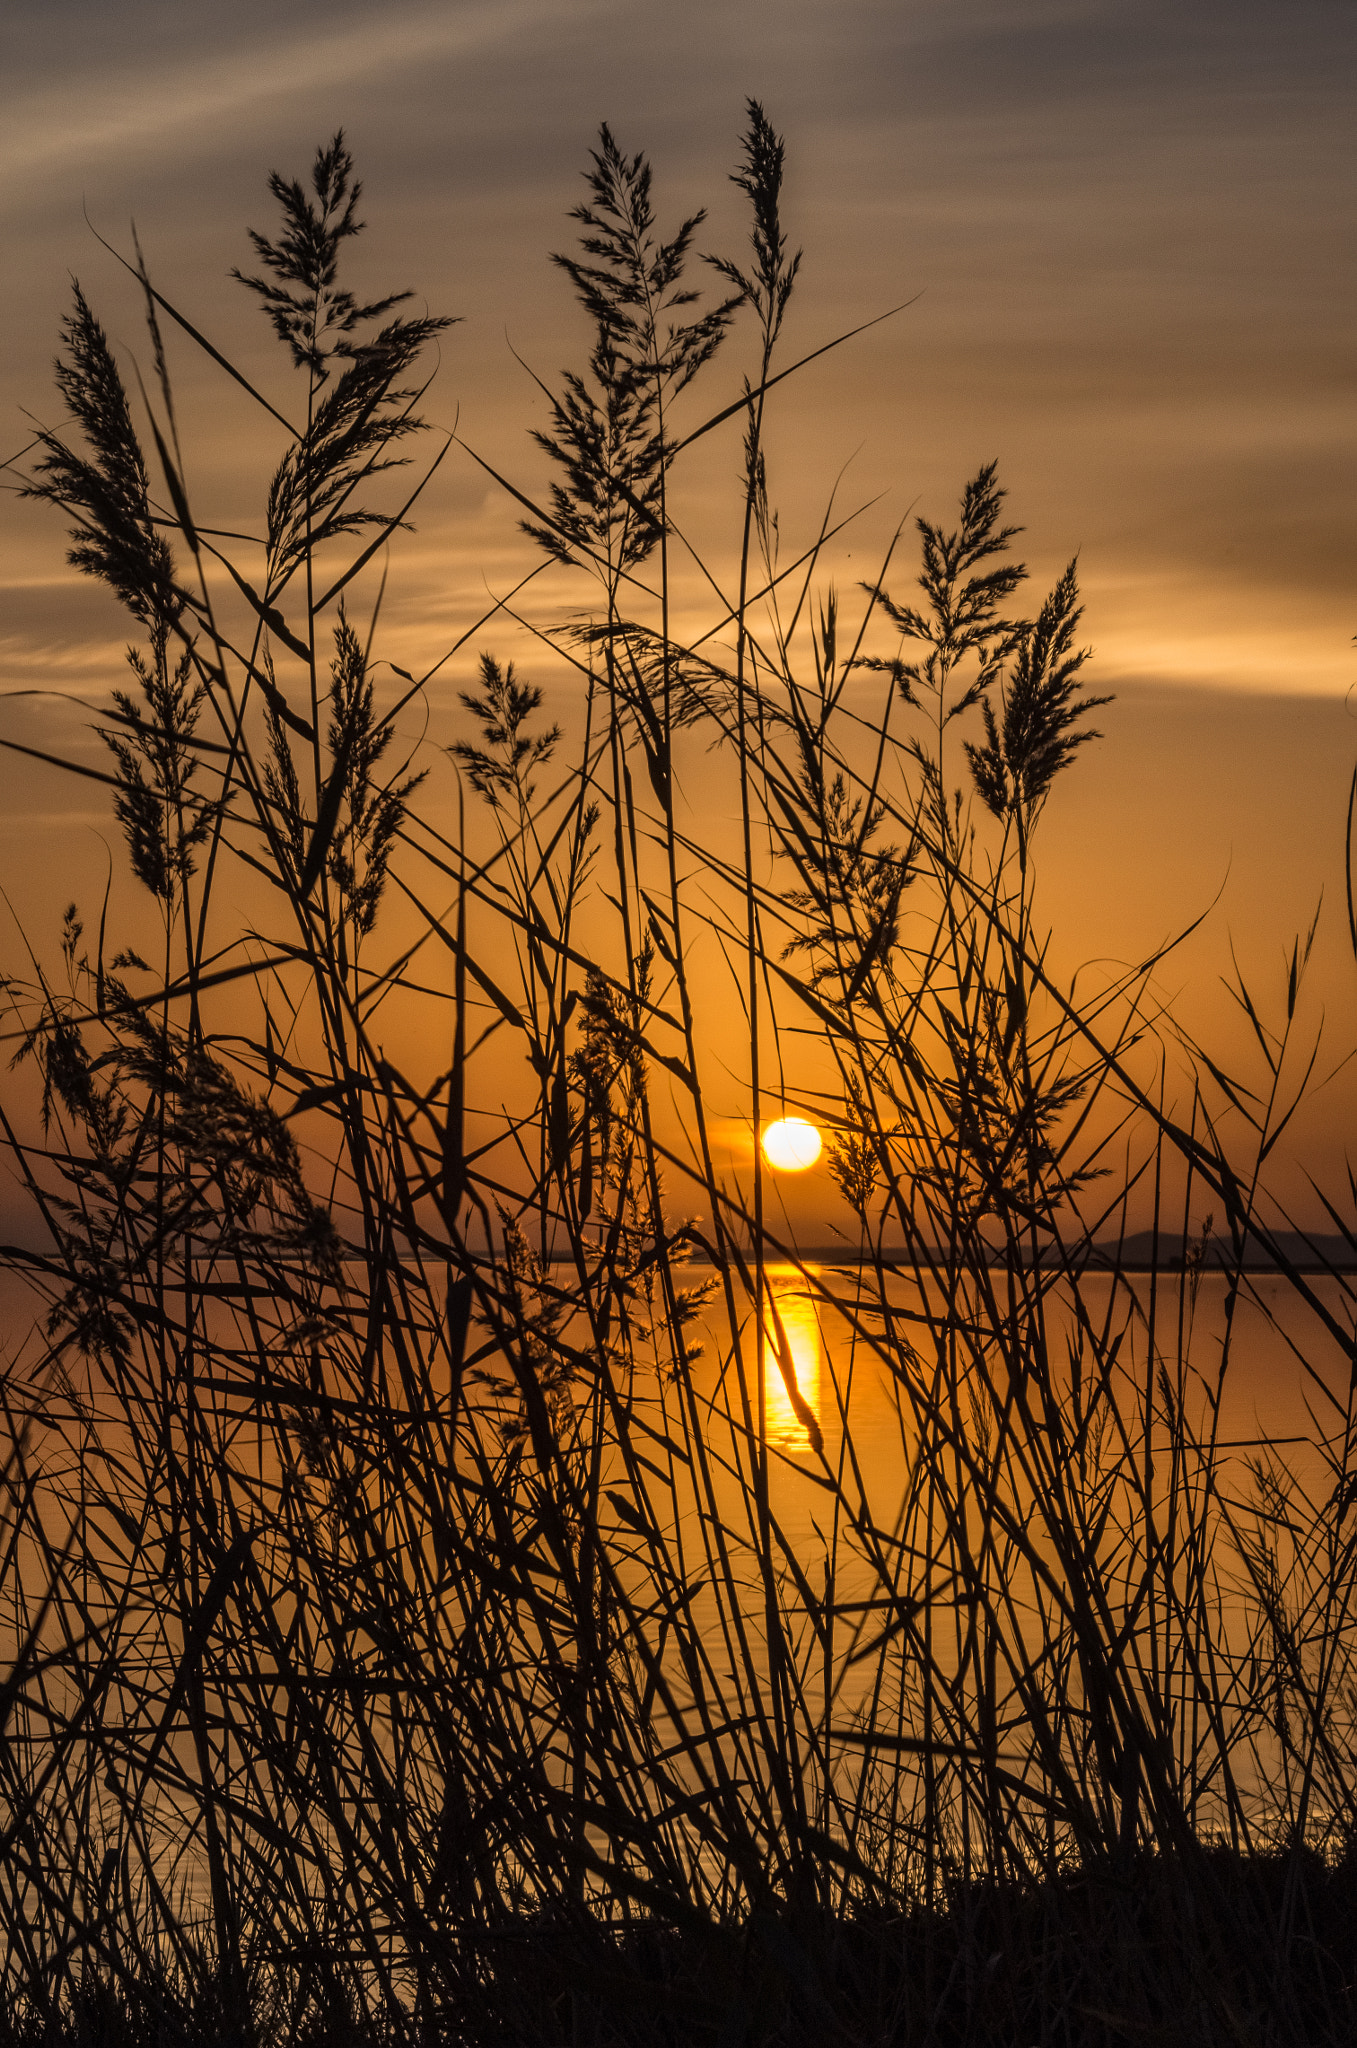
column 411, row 1631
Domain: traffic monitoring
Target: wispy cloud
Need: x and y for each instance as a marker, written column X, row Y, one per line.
column 174, row 99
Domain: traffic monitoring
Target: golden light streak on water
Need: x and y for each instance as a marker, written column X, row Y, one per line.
column 800, row 1322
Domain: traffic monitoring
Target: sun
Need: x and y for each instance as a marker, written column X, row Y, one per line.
column 791, row 1144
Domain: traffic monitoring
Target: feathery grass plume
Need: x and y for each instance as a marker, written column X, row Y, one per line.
column 57, row 1041
column 769, row 287
column 1034, row 735
column 285, row 823
column 767, row 291
column 115, row 538
column 852, row 889
column 165, row 818
column 642, row 658
column 362, row 416
column 369, row 408
column 597, row 1062
column 368, row 819
column 608, row 1067
column 316, row 322
column 854, row 1149
column 963, row 617
column 499, row 768
column 610, row 439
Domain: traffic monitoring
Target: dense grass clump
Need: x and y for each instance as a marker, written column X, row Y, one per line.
column 437, row 1603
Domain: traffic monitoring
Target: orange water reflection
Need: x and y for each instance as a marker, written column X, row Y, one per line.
column 799, row 1318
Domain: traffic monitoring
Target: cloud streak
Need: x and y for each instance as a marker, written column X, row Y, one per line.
column 178, row 99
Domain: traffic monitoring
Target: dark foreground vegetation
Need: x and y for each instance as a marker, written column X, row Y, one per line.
column 1227, row 1949
column 414, row 1626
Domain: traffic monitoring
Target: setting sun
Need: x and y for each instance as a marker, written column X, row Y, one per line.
column 791, row 1144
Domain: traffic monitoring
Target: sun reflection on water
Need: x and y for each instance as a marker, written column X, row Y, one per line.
column 799, row 1317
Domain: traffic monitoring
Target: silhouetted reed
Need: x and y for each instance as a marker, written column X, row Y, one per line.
column 414, row 1627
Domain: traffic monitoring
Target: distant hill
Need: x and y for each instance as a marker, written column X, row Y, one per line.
column 1326, row 1252
column 1321, row 1253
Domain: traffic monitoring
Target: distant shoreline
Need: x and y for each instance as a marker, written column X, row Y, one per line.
column 1298, row 1254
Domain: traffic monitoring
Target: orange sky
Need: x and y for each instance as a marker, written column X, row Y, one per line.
column 1126, row 230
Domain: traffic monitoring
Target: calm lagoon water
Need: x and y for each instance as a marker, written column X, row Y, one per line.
column 1280, row 1377
column 1264, row 1372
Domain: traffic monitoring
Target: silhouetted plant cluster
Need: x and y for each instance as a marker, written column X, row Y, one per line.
column 415, row 1624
